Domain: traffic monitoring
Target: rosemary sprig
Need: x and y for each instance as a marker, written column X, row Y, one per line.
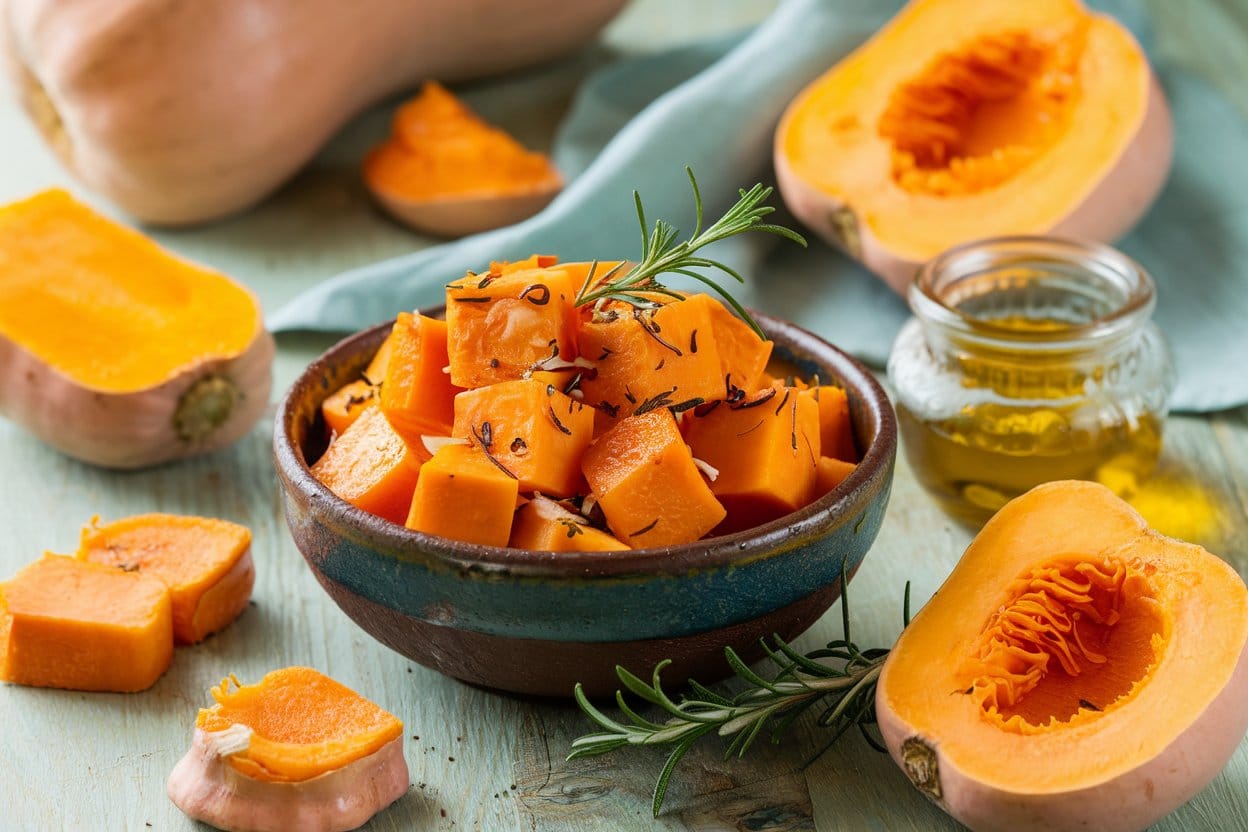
column 844, row 689
column 662, row 254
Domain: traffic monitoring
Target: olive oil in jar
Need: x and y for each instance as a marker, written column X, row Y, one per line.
column 1029, row 360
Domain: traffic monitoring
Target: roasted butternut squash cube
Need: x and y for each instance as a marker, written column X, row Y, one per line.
column 743, row 356
column 644, row 360
column 831, row 473
column 345, row 404
column 644, row 478
column 836, row 432
column 766, row 450
column 545, row 526
column 66, row 623
column 533, row 261
column 462, row 494
column 417, row 396
column 504, row 326
column 531, row 429
column 375, row 372
column 371, row 467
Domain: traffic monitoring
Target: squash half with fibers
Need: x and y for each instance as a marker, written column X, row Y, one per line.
column 964, row 119
column 116, row 352
column 1077, row 670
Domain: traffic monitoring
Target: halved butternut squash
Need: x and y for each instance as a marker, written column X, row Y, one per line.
column 1076, row 670
column 116, row 352
column 963, row 119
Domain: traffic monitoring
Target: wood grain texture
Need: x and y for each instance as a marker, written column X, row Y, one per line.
column 480, row 760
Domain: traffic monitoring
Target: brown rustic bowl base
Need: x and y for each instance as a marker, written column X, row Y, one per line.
column 552, row 668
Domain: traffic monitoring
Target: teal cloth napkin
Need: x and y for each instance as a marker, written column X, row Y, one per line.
column 635, row 124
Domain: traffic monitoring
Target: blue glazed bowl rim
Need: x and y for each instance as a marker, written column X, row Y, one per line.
column 842, row 504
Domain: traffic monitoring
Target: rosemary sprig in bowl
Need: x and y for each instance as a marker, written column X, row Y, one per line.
column 662, row 254
column 843, row 688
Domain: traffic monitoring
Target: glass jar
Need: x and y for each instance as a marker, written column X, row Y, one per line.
column 1029, row 359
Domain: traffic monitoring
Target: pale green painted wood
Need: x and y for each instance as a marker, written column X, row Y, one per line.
column 89, row 761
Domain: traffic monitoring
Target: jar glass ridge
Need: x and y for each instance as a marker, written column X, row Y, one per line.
column 1029, row 359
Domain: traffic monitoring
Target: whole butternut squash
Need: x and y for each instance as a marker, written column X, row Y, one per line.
column 184, row 112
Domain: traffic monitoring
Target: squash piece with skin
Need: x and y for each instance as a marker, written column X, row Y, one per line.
column 116, row 352
column 502, row 326
column 417, row 397
column 65, row 623
column 765, row 450
column 298, row 750
column 961, row 120
column 465, row 494
column 371, row 467
column 1077, row 670
column 545, row 526
column 533, row 430
column 446, row 171
column 644, row 478
column 112, row 93
column 206, row 564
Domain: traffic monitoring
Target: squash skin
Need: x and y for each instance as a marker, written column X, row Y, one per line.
column 1137, row 796
column 166, row 108
column 206, row 788
column 1118, row 195
column 136, row 429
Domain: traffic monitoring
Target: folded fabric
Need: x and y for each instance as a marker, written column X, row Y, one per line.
column 635, row 124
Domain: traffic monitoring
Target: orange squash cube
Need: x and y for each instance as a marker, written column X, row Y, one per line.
column 645, row 480
column 660, row 359
column 766, row 449
column 545, row 526
column 375, row 372
column 417, row 397
column 743, row 356
column 345, row 404
column 831, row 473
column 463, row 495
column 504, row 326
column 371, row 467
column 836, row 433
column 532, row 429
column 533, row 261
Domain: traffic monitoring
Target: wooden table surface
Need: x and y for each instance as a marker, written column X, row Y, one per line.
column 481, row 760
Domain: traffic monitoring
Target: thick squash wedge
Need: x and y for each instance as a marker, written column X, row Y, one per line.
column 116, row 352
column 963, row 119
column 1077, row 670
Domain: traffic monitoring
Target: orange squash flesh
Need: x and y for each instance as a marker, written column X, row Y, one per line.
column 105, row 305
column 206, row 564
column 502, row 326
column 534, row 431
column 439, row 148
column 303, row 724
column 417, row 397
column 743, row 356
column 830, row 473
column 371, row 467
column 344, row 405
column 961, row 120
column 644, row 478
column 766, row 451
column 670, row 356
column 836, row 433
column 545, row 526
column 65, row 623
column 1076, row 667
column 463, row 495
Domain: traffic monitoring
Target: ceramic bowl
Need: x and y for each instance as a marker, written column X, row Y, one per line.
column 538, row 622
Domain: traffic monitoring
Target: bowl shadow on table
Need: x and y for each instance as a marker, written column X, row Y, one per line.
column 538, row 622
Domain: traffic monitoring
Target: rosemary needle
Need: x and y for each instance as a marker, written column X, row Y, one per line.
column 844, row 689
column 662, row 254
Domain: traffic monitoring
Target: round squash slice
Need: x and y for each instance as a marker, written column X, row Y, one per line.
column 963, row 119
column 116, row 352
column 1077, row 670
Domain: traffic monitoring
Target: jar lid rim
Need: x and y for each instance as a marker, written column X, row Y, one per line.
column 1098, row 260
